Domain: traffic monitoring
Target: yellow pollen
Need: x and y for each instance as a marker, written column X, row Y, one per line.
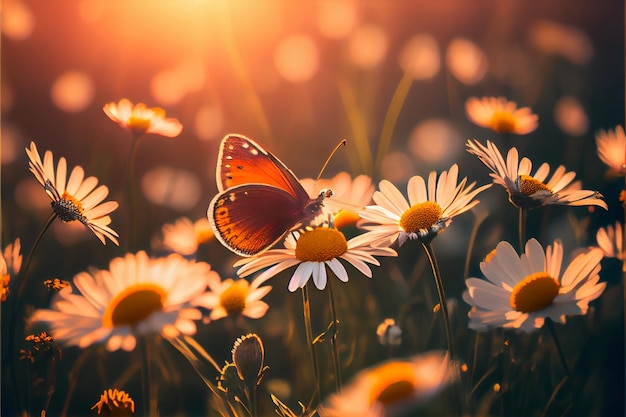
column 233, row 299
column 529, row 186
column 133, row 305
column 392, row 382
column 502, row 122
column 320, row 245
column 345, row 218
column 138, row 124
column 421, row 216
column 534, row 293
column 70, row 198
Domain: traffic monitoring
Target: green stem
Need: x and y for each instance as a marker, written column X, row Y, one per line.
column 306, row 308
column 146, row 384
column 393, row 112
column 480, row 216
column 24, row 271
column 333, row 339
column 522, row 229
column 550, row 325
column 442, row 295
column 190, row 349
column 131, row 201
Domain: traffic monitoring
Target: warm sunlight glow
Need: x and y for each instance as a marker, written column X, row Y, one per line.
column 174, row 188
column 368, row 46
column 297, row 58
column 10, row 143
column 18, row 21
column 559, row 39
column 209, row 122
column 336, row 18
column 466, row 61
column 435, row 141
column 72, row 91
column 420, row 57
column 396, row 167
column 570, row 116
column 169, row 87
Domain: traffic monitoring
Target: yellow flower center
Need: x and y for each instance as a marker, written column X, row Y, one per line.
column 233, row 299
column 133, row 305
column 68, row 208
column 4, row 286
column 138, row 124
column 392, row 382
column 421, row 216
column 529, row 186
column 534, row 293
column 502, row 122
column 345, row 218
column 320, row 245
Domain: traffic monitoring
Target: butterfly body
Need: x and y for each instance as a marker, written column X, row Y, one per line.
column 259, row 201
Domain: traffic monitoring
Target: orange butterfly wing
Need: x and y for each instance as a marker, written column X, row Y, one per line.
column 242, row 161
column 250, row 218
column 260, row 199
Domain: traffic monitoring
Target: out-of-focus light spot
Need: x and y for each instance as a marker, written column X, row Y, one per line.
column 30, row 195
column 396, row 167
column 90, row 10
column 10, row 144
column 208, row 123
column 297, row 58
column 466, row 61
column 168, row 87
column 420, row 57
column 336, row 18
column 368, row 46
column 72, row 91
column 18, row 21
column 571, row 117
column 7, row 97
column 559, row 39
column 69, row 234
column 174, row 188
column 435, row 140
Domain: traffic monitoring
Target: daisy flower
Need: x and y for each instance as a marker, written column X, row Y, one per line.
column 136, row 296
column 233, row 298
column 10, row 265
column 141, row 120
column 349, row 196
column 500, row 115
column 612, row 149
column 521, row 291
column 76, row 198
column 611, row 241
column 529, row 191
column 430, row 208
column 184, row 237
column 115, row 403
column 392, row 388
column 313, row 249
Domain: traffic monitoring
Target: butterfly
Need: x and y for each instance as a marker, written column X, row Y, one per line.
column 260, row 200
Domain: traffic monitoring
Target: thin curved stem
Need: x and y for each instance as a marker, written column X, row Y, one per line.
column 333, row 339
column 522, row 229
column 393, row 112
column 442, row 295
column 24, row 271
column 552, row 330
column 306, row 308
column 131, row 201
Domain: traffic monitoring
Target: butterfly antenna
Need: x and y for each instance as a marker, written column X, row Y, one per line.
column 339, row 145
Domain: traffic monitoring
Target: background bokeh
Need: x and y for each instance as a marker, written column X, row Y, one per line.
column 298, row 77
